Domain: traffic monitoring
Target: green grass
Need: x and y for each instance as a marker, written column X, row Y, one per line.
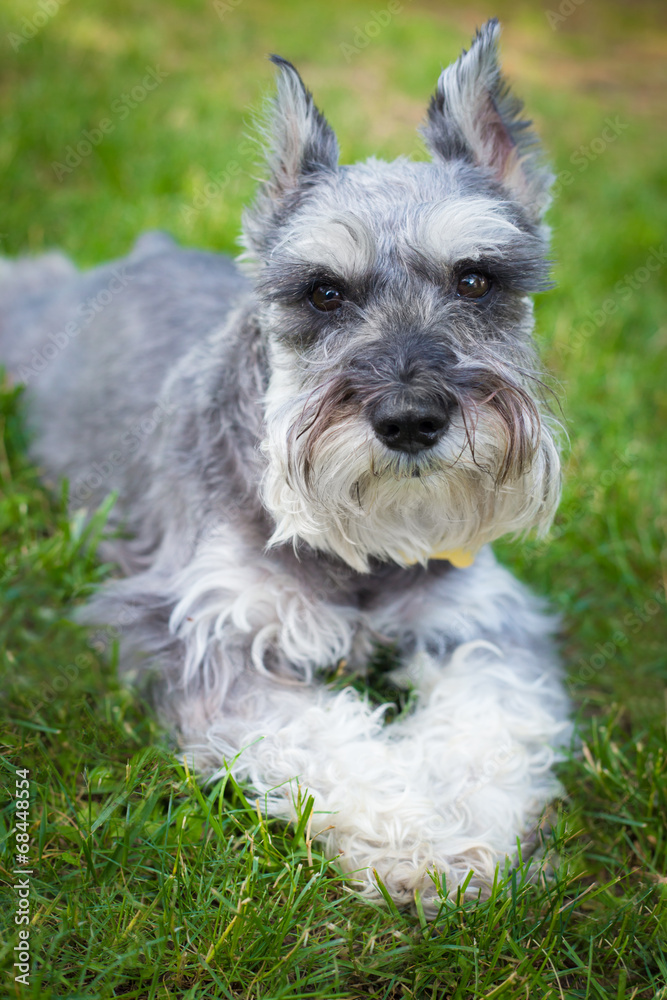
column 146, row 885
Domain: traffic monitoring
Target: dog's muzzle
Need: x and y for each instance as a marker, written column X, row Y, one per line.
column 411, row 425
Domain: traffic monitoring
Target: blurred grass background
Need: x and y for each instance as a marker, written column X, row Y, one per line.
column 138, row 874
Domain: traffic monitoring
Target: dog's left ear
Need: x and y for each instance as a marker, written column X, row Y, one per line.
column 473, row 116
column 301, row 141
column 300, row 146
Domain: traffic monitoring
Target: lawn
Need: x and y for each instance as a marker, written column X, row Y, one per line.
column 144, row 884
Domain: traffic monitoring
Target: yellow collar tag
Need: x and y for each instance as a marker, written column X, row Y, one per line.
column 459, row 558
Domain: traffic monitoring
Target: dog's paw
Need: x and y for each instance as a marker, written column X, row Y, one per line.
column 420, row 875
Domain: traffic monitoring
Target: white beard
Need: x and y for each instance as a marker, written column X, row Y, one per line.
column 357, row 499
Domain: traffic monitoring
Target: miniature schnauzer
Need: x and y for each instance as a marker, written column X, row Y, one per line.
column 311, row 454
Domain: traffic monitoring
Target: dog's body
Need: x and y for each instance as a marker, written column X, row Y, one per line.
column 293, row 445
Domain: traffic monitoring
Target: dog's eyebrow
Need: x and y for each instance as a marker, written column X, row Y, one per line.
column 339, row 244
column 473, row 233
column 464, row 229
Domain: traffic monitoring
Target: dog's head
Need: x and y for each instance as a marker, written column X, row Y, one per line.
column 404, row 414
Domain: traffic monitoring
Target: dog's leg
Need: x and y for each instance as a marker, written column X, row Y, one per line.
column 450, row 788
column 490, row 720
column 250, row 639
column 288, row 742
column 484, row 736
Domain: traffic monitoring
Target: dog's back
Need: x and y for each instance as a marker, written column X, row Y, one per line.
column 94, row 348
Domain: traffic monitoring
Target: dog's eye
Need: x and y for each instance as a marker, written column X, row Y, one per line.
column 326, row 298
column 473, row 285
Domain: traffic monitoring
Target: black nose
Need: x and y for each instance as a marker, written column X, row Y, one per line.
column 408, row 425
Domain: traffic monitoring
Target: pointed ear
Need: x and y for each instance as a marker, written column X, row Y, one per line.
column 473, row 116
column 300, row 145
column 301, row 141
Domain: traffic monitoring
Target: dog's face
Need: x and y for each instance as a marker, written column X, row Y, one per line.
column 403, row 415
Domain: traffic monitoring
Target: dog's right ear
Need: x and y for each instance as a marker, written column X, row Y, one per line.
column 473, row 116
column 300, row 146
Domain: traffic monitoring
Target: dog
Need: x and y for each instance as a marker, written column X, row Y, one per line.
column 312, row 450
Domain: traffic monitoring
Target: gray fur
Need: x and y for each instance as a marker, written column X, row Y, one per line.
column 227, row 412
column 473, row 116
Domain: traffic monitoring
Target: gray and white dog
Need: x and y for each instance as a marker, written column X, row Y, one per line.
column 311, row 455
